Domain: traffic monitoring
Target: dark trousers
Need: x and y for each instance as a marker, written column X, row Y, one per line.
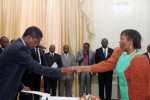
column 25, row 96
column 105, row 85
column 36, row 85
column 32, row 81
column 50, row 86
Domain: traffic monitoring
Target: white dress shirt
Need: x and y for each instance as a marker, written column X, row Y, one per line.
column 106, row 52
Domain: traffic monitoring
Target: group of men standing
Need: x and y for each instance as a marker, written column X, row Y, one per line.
column 52, row 59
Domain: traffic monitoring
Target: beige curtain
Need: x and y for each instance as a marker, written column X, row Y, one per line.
column 61, row 21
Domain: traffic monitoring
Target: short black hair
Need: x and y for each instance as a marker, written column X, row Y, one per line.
column 86, row 43
column 134, row 36
column 33, row 31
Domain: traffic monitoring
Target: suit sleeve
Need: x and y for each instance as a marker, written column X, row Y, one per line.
column 79, row 58
column 35, row 67
column 59, row 61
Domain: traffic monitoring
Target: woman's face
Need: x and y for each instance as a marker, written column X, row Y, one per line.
column 125, row 43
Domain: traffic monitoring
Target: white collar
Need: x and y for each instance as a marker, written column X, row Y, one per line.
column 66, row 54
column 23, row 42
column 52, row 53
column 105, row 49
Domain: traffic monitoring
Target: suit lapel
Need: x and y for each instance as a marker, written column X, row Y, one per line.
column 100, row 52
column 109, row 52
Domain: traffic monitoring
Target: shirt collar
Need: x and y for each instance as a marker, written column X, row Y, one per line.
column 105, row 48
column 51, row 53
column 23, row 42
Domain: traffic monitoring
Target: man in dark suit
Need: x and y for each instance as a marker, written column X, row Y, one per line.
column 53, row 60
column 148, row 52
column 105, row 78
column 16, row 59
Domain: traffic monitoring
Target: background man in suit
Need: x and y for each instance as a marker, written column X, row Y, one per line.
column 31, row 79
column 53, row 60
column 85, row 57
column 38, row 55
column 65, row 85
column 4, row 42
column 148, row 52
column 16, row 58
column 104, row 79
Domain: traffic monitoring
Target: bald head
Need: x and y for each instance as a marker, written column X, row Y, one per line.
column 104, row 42
column 4, row 41
column 52, row 48
column 66, row 48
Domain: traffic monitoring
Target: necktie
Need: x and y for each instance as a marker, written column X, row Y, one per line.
column 105, row 53
column 38, row 54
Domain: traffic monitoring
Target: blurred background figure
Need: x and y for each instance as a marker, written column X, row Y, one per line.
column 105, row 78
column 38, row 55
column 65, row 85
column 148, row 52
column 4, row 42
column 12, row 41
column 85, row 57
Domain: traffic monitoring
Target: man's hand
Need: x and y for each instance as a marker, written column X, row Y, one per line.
column 68, row 70
column 76, row 69
column 25, row 88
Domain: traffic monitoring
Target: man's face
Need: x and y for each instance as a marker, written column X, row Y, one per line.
column 104, row 43
column 86, row 47
column 33, row 42
column 52, row 48
column 4, row 42
column 66, row 49
column 148, row 48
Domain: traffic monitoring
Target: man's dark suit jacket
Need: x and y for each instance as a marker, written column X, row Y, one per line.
column 49, row 60
column 13, row 62
column 1, row 50
column 56, row 58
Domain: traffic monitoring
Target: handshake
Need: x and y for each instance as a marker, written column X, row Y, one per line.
column 76, row 69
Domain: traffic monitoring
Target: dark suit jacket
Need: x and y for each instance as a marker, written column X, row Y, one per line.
column 1, row 50
column 32, row 79
column 13, row 62
column 99, row 55
column 50, row 60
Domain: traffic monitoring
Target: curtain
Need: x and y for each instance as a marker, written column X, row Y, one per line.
column 61, row 21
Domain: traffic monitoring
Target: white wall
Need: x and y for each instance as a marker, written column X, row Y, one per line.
column 113, row 16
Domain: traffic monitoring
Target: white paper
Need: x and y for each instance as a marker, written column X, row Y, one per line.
column 54, row 65
column 37, row 93
column 46, row 96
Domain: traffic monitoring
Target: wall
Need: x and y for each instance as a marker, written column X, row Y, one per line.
column 113, row 16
